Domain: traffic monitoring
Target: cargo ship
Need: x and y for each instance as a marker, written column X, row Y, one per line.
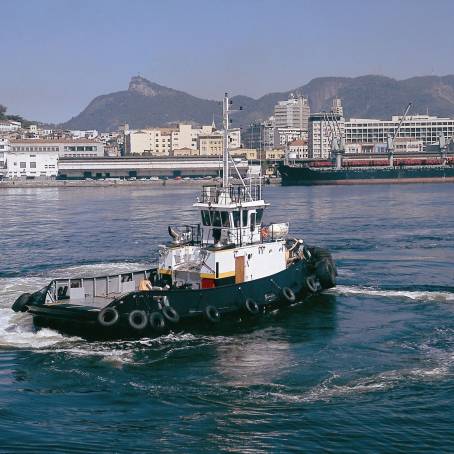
column 369, row 170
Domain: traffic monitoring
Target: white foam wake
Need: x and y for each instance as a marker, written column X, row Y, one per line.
column 435, row 296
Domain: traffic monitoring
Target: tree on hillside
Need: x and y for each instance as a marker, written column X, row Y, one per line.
column 2, row 111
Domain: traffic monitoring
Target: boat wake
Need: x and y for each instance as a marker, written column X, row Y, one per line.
column 440, row 296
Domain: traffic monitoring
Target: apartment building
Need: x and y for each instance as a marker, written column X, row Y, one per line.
column 293, row 113
column 299, row 148
column 323, row 127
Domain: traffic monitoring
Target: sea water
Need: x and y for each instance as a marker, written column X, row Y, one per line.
column 368, row 366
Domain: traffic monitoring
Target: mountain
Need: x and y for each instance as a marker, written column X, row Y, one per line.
column 148, row 104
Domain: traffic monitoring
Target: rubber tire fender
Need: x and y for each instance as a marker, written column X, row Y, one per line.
column 288, row 294
column 157, row 321
column 170, row 314
column 326, row 273
column 311, row 283
column 21, row 302
column 132, row 319
column 103, row 321
column 251, row 306
column 212, row 314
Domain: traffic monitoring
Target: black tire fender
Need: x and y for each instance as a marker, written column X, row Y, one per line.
column 251, row 306
column 170, row 314
column 108, row 316
column 212, row 314
column 288, row 294
column 138, row 319
column 326, row 273
column 311, row 283
column 20, row 305
column 157, row 321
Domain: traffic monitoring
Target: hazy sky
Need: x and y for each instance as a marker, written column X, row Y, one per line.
column 56, row 55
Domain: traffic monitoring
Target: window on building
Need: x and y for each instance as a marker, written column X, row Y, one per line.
column 33, row 165
column 23, row 165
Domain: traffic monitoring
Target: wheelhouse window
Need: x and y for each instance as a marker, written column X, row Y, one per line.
column 252, row 223
column 236, row 218
column 216, row 219
column 259, row 215
column 225, row 219
column 206, row 217
column 245, row 216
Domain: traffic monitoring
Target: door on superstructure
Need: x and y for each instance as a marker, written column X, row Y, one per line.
column 239, row 269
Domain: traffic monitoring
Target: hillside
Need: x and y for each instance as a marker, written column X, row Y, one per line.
column 148, row 104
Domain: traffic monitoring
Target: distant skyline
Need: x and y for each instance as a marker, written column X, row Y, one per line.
column 57, row 55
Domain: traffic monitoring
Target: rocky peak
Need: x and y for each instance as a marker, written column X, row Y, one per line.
column 142, row 86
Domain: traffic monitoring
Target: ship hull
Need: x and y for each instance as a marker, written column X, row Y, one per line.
column 305, row 176
column 225, row 303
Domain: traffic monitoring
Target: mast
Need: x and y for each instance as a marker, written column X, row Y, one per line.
column 225, row 156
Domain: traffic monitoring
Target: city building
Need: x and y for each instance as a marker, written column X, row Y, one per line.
column 283, row 136
column 154, row 142
column 9, row 126
column 415, row 127
column 24, row 163
column 293, row 113
column 85, row 148
column 299, row 148
column 179, row 152
column 248, row 153
column 323, row 127
column 336, row 107
column 211, row 144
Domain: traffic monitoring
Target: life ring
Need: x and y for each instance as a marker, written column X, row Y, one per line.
column 157, row 321
column 212, row 314
column 311, row 283
column 138, row 319
column 170, row 314
column 21, row 302
column 108, row 316
column 251, row 306
column 288, row 294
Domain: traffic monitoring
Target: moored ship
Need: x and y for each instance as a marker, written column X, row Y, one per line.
column 372, row 170
column 229, row 267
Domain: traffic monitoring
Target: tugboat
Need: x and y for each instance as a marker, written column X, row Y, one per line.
column 229, row 267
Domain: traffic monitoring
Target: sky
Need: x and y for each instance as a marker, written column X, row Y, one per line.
column 57, row 55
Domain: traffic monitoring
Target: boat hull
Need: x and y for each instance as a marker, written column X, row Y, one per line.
column 227, row 301
column 305, row 176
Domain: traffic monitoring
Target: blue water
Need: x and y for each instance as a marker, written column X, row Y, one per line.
column 366, row 367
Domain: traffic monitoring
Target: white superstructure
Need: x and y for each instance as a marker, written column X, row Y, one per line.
column 228, row 246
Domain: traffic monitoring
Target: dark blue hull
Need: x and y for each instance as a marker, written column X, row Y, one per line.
column 306, row 176
column 204, row 307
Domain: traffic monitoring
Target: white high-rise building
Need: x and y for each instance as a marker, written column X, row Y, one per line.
column 323, row 127
column 336, row 107
column 293, row 113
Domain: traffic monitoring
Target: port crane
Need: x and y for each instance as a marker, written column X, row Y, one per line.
column 390, row 140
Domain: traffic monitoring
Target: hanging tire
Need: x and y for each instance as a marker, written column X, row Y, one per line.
column 326, row 273
column 108, row 316
column 288, row 294
column 251, row 306
column 170, row 314
column 157, row 321
column 20, row 305
column 212, row 314
column 138, row 319
column 311, row 283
